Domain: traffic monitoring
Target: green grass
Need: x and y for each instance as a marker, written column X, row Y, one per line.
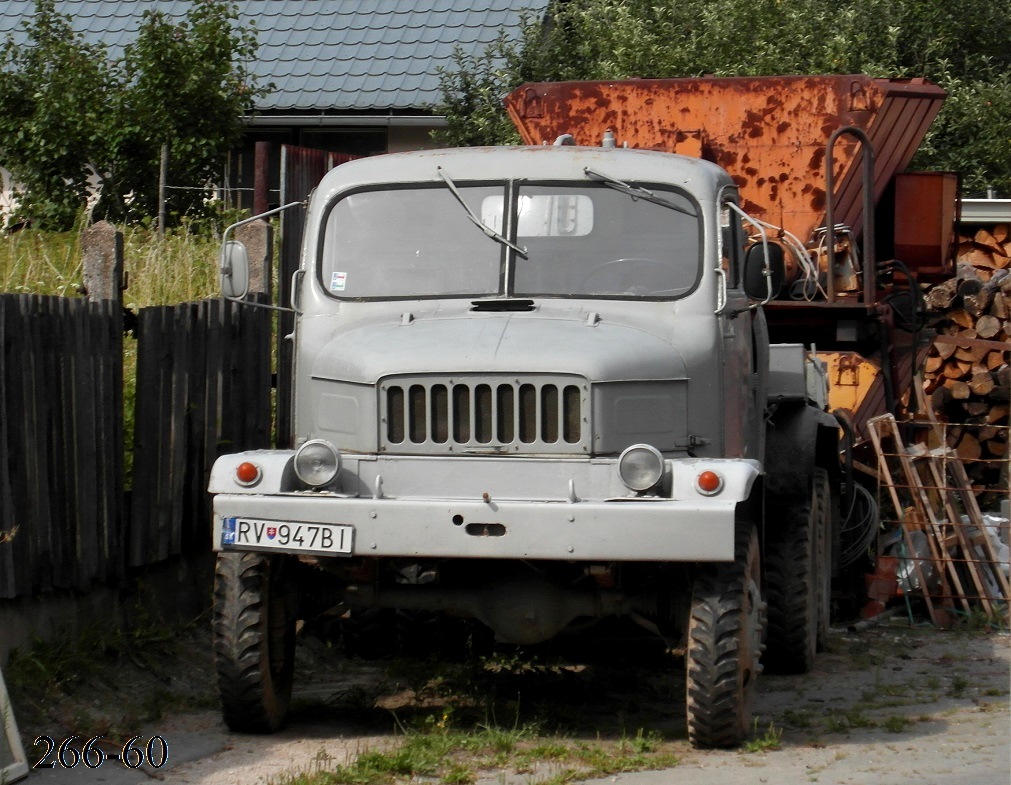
column 443, row 754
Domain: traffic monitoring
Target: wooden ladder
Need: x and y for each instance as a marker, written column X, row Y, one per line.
column 928, row 487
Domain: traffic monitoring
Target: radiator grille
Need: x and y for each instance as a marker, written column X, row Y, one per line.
column 481, row 414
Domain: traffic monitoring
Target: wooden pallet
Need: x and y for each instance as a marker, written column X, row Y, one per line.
column 931, row 493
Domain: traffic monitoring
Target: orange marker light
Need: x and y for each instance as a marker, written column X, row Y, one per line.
column 709, row 482
column 247, row 473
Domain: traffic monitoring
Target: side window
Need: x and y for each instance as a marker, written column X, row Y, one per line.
column 731, row 244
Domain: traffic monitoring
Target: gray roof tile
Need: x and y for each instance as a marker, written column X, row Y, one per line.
column 338, row 55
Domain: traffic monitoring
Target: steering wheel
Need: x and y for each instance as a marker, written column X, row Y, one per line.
column 627, row 261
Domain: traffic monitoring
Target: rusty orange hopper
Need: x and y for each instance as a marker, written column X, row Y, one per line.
column 769, row 133
column 772, row 135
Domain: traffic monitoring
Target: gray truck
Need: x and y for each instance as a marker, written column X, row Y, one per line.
column 534, row 387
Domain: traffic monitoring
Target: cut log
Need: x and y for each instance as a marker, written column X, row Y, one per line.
column 1001, row 233
column 977, row 303
column 962, row 319
column 999, row 308
column 976, row 408
column 985, row 239
column 977, row 259
column 940, row 297
column 997, row 446
column 956, row 369
column 997, row 413
column 973, row 353
column 968, row 448
column 932, row 364
column 960, row 391
column 988, row 326
column 939, row 398
column 945, row 350
column 981, row 383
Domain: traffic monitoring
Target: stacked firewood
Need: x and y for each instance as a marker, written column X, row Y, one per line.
column 967, row 374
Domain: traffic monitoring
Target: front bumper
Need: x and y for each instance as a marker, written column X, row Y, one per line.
column 688, row 527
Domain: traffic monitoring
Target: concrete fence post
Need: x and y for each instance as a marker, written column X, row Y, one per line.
column 258, row 237
column 102, row 252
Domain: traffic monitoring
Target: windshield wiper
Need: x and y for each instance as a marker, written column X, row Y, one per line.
column 477, row 221
column 635, row 191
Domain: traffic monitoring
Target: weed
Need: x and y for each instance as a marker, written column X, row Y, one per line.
column 958, row 686
column 978, row 619
column 856, row 719
column 843, row 723
column 799, row 719
column 770, row 740
column 896, row 724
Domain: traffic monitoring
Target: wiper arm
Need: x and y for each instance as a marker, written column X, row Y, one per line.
column 477, row 221
column 635, row 191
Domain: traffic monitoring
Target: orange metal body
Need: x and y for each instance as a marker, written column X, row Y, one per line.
column 769, row 133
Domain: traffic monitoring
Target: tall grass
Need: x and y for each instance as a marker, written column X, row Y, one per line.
column 181, row 267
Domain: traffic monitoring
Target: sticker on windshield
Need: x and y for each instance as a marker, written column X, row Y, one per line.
column 338, row 281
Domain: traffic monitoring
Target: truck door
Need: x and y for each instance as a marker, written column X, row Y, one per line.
column 741, row 416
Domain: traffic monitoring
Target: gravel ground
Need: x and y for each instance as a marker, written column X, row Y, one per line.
column 889, row 705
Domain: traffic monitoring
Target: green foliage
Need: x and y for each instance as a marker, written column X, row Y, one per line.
column 69, row 114
column 964, row 46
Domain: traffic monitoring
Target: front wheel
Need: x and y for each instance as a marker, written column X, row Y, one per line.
column 254, row 639
column 725, row 630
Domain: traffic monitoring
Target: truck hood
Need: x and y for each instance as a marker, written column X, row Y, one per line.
column 504, row 343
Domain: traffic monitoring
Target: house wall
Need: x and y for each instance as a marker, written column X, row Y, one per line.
column 402, row 139
column 7, row 201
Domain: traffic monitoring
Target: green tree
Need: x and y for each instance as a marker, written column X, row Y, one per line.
column 69, row 115
column 51, row 115
column 962, row 45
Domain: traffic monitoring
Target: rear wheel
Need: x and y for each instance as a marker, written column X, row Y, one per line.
column 797, row 579
column 824, row 502
column 724, row 645
column 254, row 639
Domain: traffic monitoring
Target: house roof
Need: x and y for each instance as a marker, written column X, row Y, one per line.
column 322, row 55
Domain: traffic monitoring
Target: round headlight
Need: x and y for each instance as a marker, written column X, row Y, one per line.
column 317, row 462
column 640, row 467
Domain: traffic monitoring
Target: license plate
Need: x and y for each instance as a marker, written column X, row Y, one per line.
column 271, row 535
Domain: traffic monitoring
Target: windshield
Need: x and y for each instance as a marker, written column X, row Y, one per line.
column 571, row 240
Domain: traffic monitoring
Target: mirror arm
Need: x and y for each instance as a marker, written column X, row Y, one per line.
column 227, row 270
column 259, row 216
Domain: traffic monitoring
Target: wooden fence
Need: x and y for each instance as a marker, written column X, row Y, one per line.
column 61, row 444
column 203, row 389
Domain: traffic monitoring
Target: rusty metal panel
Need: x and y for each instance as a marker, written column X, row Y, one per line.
column 925, row 210
column 768, row 132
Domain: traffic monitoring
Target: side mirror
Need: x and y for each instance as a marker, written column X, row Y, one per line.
column 234, row 270
column 763, row 275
